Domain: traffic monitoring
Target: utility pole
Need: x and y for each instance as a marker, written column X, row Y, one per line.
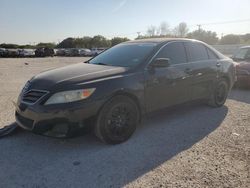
column 199, row 27
column 138, row 33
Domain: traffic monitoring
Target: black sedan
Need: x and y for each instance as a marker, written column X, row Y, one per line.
column 116, row 88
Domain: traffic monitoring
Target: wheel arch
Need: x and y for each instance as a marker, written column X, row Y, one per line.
column 133, row 97
column 128, row 94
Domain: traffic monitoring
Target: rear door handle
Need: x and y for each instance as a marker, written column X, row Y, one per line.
column 218, row 64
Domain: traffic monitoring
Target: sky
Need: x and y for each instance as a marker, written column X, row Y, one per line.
column 34, row 21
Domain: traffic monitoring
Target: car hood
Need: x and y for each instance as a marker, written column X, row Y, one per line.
column 73, row 74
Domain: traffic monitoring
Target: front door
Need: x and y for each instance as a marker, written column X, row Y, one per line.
column 167, row 86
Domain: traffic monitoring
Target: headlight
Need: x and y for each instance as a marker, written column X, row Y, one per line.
column 70, row 96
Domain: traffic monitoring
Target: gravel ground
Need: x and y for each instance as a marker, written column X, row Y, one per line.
column 188, row 146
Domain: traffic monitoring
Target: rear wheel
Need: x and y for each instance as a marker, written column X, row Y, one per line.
column 219, row 95
column 117, row 120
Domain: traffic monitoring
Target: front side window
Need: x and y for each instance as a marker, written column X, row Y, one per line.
column 211, row 54
column 175, row 52
column 196, row 51
column 124, row 55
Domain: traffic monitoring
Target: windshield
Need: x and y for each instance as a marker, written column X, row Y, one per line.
column 124, row 55
column 242, row 53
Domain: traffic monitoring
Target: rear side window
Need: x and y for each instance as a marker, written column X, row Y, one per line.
column 175, row 52
column 196, row 51
column 211, row 54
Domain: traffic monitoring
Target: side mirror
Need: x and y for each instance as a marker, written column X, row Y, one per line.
column 160, row 63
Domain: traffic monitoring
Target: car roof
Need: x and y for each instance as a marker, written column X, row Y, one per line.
column 160, row 40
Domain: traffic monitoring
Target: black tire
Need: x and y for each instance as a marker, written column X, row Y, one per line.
column 219, row 95
column 117, row 120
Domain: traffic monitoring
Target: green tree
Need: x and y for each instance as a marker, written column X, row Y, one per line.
column 230, row 39
column 9, row 46
column 118, row 40
column 100, row 41
column 87, row 42
column 26, row 46
column 46, row 45
column 67, row 43
column 205, row 36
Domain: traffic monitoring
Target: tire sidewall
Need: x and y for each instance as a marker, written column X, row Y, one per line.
column 222, row 83
column 101, row 130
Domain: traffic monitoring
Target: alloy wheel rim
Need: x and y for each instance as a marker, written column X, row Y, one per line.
column 221, row 94
column 119, row 121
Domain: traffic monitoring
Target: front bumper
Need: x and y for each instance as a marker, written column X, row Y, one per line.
column 57, row 120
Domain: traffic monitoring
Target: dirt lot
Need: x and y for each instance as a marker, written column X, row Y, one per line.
column 189, row 146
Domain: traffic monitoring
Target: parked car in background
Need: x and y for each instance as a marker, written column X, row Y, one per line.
column 242, row 57
column 2, row 52
column 97, row 51
column 121, row 84
column 68, row 52
column 85, row 52
column 12, row 53
column 26, row 53
column 72, row 52
column 60, row 52
column 44, row 52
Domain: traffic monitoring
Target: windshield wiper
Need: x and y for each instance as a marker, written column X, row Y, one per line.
column 100, row 63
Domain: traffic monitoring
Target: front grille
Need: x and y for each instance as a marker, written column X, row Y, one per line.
column 33, row 96
column 28, row 123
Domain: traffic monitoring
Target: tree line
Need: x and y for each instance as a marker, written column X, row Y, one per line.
column 84, row 42
column 163, row 30
column 182, row 30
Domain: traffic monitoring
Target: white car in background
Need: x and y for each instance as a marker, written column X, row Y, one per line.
column 97, row 51
column 85, row 52
column 26, row 53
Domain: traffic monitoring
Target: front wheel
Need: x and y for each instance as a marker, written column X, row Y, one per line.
column 117, row 120
column 219, row 95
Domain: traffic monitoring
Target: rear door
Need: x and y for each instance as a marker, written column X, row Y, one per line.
column 169, row 85
column 205, row 67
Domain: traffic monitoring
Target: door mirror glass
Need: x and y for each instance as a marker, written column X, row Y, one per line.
column 160, row 62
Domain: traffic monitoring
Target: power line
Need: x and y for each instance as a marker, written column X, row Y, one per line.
column 222, row 22
column 196, row 25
